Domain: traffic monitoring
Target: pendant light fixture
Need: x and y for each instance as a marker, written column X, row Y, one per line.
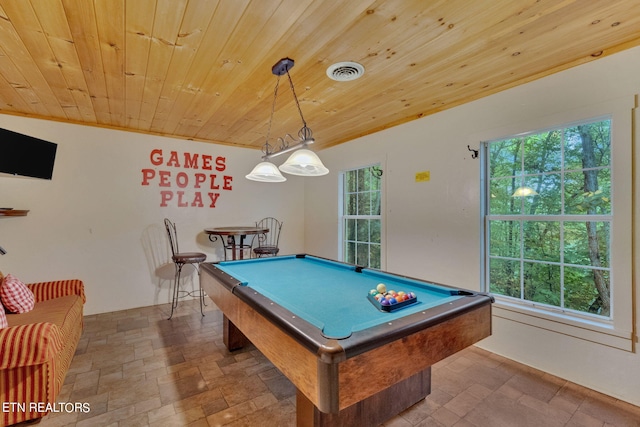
column 302, row 162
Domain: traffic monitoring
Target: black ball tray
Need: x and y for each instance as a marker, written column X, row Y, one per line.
column 391, row 307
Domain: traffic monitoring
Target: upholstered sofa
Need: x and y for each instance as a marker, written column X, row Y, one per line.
column 36, row 349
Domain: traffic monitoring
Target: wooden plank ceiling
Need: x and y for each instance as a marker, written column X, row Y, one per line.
column 201, row 69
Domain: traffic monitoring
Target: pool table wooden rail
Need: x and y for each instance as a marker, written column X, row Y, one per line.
column 335, row 382
column 341, row 348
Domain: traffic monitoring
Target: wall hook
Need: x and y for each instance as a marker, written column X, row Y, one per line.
column 475, row 152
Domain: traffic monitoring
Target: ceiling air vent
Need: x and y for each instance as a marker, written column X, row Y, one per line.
column 345, row 71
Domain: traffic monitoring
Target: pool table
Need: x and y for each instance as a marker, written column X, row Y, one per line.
column 351, row 362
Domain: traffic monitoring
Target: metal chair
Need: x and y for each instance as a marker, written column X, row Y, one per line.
column 180, row 259
column 268, row 242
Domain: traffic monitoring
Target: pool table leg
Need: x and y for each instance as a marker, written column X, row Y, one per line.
column 233, row 338
column 372, row 411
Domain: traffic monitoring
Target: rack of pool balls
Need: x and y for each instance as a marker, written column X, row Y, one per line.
column 390, row 300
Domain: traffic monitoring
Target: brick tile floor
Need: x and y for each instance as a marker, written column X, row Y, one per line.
column 136, row 368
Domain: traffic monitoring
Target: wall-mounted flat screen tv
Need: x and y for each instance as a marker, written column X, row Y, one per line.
column 25, row 155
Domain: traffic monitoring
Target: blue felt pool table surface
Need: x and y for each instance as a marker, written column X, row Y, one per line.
column 332, row 295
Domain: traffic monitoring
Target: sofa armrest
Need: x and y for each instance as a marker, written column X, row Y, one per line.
column 25, row 345
column 59, row 288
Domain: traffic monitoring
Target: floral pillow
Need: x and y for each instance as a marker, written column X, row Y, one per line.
column 15, row 295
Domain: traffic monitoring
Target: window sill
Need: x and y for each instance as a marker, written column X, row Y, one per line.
column 600, row 332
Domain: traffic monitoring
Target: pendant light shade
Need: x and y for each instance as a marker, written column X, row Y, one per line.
column 304, row 162
column 266, row 172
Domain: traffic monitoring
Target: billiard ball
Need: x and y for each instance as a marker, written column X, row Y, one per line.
column 384, row 301
column 381, row 288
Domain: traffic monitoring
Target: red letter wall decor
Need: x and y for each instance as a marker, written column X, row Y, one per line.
column 181, row 181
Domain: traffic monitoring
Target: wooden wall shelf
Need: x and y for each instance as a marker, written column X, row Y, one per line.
column 13, row 212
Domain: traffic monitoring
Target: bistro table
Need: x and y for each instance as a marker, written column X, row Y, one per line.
column 236, row 246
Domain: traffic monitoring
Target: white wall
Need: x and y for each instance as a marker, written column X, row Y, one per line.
column 96, row 221
column 433, row 228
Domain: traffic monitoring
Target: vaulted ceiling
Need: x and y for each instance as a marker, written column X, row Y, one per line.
column 201, row 69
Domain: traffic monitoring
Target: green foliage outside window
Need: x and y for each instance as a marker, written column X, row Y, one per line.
column 551, row 244
column 361, row 216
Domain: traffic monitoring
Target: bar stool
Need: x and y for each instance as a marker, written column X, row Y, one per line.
column 180, row 259
column 268, row 242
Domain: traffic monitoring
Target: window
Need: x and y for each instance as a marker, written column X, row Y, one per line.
column 360, row 216
column 548, row 219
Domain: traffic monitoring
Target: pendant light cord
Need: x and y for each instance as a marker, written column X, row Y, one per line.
column 273, row 109
column 304, row 133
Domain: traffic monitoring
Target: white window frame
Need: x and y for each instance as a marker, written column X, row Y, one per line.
column 617, row 331
column 342, row 217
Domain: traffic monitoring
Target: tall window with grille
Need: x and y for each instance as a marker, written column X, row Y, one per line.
column 360, row 216
column 548, row 219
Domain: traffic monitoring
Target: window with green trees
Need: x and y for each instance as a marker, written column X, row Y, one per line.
column 548, row 218
column 361, row 220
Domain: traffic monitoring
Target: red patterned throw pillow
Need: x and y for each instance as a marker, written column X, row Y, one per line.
column 15, row 295
column 3, row 318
